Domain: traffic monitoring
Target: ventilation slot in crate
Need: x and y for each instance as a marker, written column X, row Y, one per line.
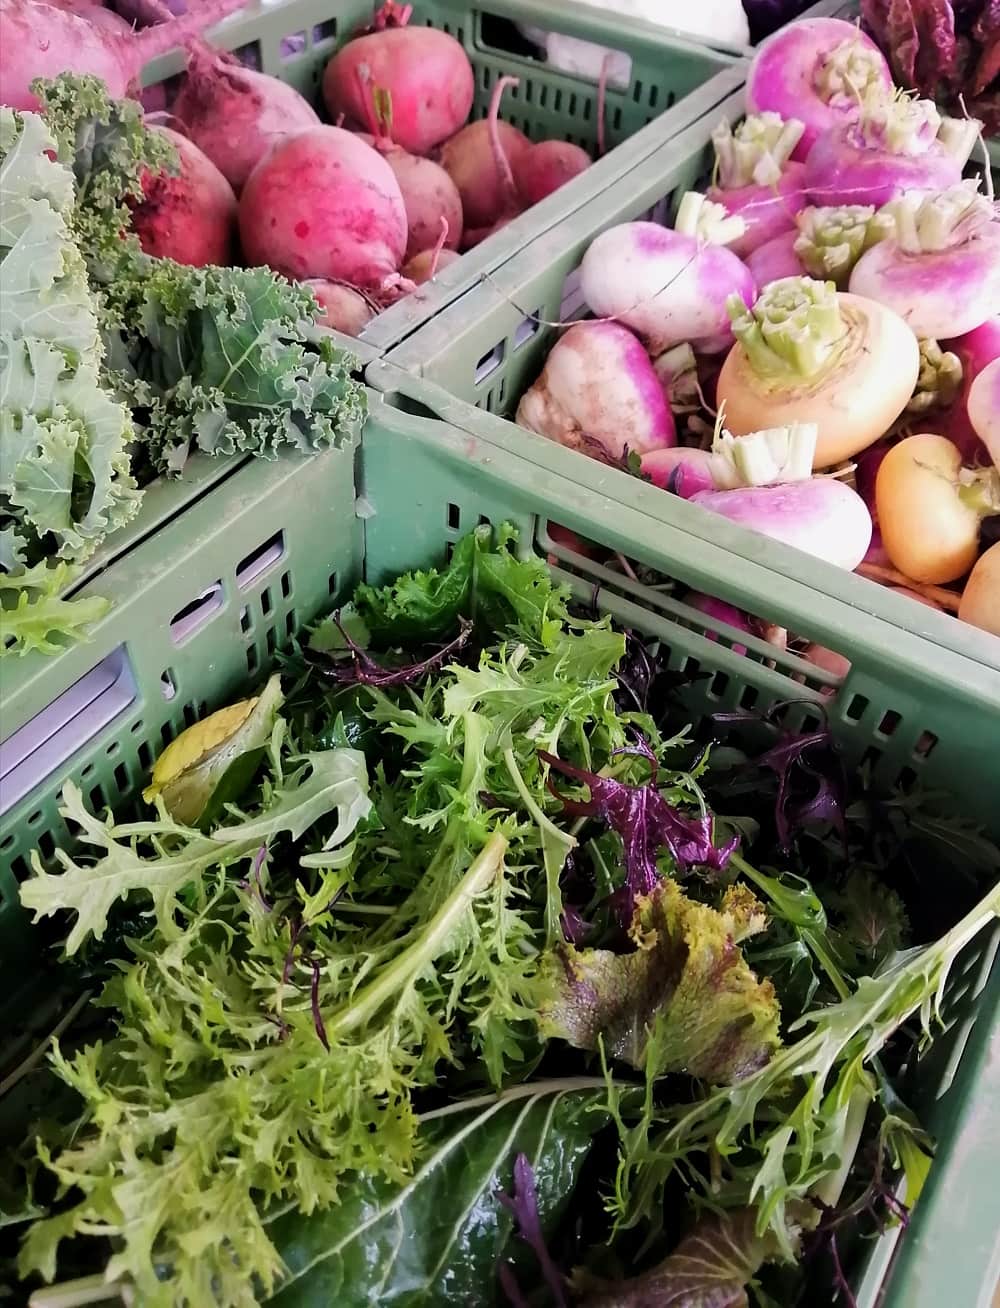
column 72, row 721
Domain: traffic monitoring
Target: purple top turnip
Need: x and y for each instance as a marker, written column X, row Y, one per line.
column 891, row 148
column 816, row 70
column 668, row 286
column 941, row 270
column 755, row 178
column 599, row 393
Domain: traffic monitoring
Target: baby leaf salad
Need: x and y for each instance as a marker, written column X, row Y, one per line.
column 445, row 969
column 115, row 365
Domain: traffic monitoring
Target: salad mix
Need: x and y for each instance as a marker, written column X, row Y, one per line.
column 453, row 967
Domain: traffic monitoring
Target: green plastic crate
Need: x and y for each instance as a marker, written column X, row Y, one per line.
column 473, row 362
column 665, row 69
column 276, row 544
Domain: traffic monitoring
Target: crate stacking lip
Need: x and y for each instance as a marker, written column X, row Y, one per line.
column 294, row 39
column 201, row 610
column 474, row 361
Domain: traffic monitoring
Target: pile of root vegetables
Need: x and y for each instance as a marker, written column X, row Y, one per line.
column 813, row 351
column 363, row 211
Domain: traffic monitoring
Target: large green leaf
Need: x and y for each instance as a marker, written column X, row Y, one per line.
column 437, row 1239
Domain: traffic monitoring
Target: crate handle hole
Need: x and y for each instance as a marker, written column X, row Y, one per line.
column 249, row 55
column 71, row 722
column 168, row 684
column 490, row 362
column 195, row 615
column 324, row 32
column 260, row 560
column 292, row 46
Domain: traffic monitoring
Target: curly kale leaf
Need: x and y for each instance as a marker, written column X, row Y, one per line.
column 225, row 360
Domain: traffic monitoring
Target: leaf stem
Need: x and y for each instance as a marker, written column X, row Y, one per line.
column 403, row 969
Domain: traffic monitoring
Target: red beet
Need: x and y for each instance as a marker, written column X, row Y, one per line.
column 425, row 74
column 480, row 160
column 191, row 217
column 43, row 40
column 235, row 114
column 323, row 204
column 343, row 308
column 545, row 167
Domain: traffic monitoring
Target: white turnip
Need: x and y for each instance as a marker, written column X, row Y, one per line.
column 233, row 114
column 191, row 217
column 43, row 40
column 323, row 204
column 425, row 74
column 670, row 287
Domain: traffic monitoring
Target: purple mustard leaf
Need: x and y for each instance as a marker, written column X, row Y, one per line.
column 645, row 822
column 522, row 1204
column 314, row 1002
column 365, row 671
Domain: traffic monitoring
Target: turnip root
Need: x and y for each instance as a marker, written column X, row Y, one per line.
column 975, row 350
column 425, row 74
column 832, row 239
column 235, row 115
column 190, row 218
column 816, row 70
column 941, row 270
column 893, row 147
column 821, row 516
column 343, row 308
column 984, row 409
column 807, row 353
column 930, row 508
column 980, row 602
column 670, row 287
column 43, row 40
column 598, row 393
column 720, row 612
column 429, row 195
column 323, row 204
column 775, row 259
column 481, row 159
column 545, row 167
column 683, row 470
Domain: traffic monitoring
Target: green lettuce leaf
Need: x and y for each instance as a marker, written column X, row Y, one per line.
column 485, row 578
column 437, row 1238
column 684, row 1000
